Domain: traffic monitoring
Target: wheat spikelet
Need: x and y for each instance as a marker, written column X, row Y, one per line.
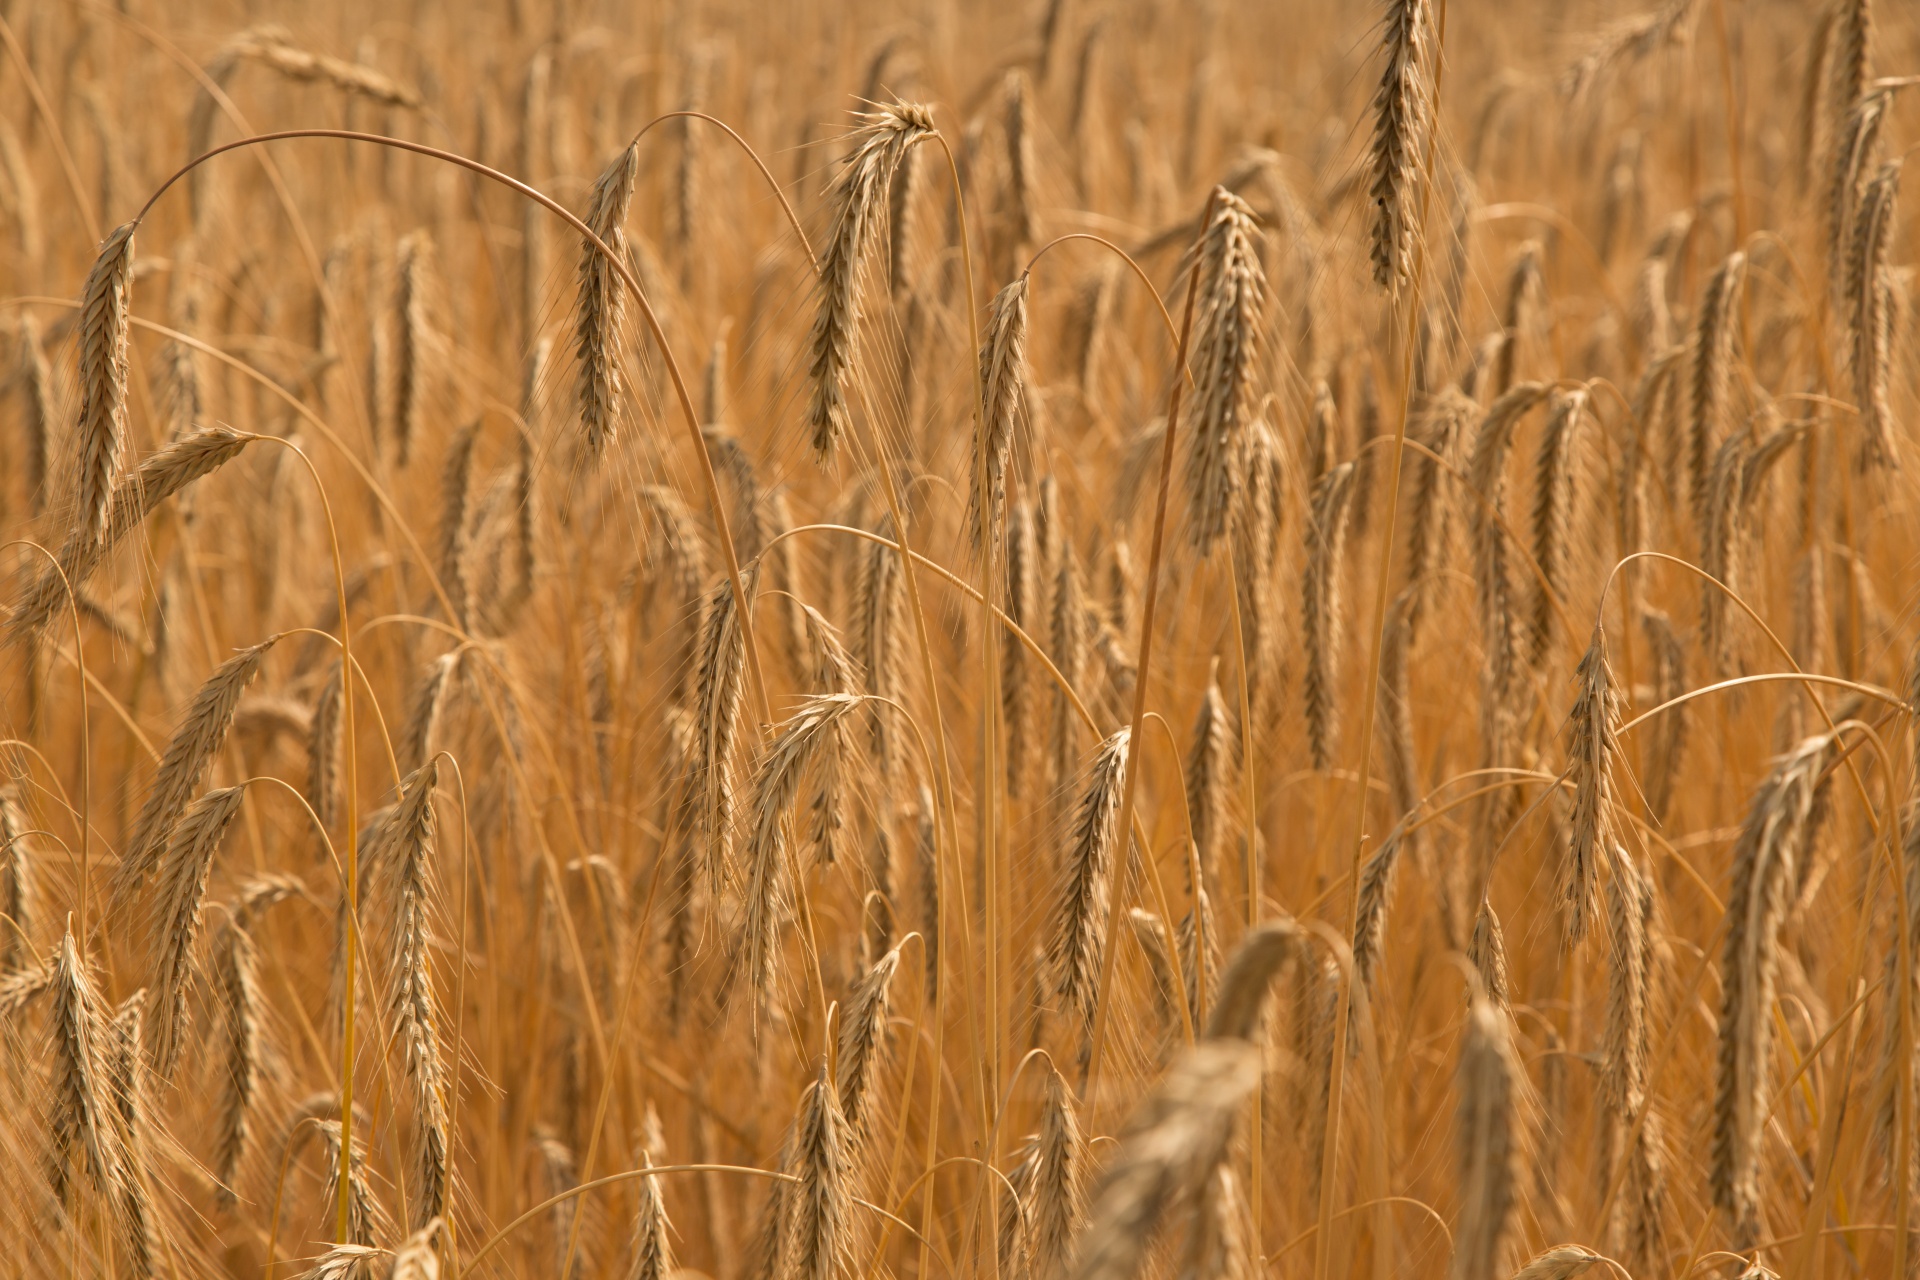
column 80, row 1111
column 1562, row 1262
column 885, row 135
column 1232, row 298
column 324, row 731
column 181, row 889
column 199, row 737
column 1243, row 987
column 456, row 480
column 1401, row 111
column 1209, row 762
column 1320, row 608
column 399, row 859
column 600, row 309
column 1488, row 1082
column 1623, row 1070
column 1003, row 379
column 807, row 740
column 862, row 1042
column 411, row 352
column 366, row 1219
column 351, row 1262
column 1555, row 494
column 19, row 882
column 1076, row 941
column 1429, row 509
column 100, row 434
column 1487, row 953
column 1525, row 303
column 1173, row 1142
column 1871, row 297
column 1764, row 858
column 652, row 1231
column 37, row 412
column 1593, row 726
column 1023, row 596
column 821, row 1202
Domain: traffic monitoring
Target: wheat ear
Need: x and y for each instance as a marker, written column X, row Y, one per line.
column 19, row 882
column 106, row 315
column 1555, row 494
column 1488, row 1082
column 195, row 742
column 1003, row 380
column 863, row 1040
column 1320, row 609
column 1593, row 728
column 859, row 196
column 1400, row 109
column 821, row 1201
column 1870, row 292
column 1077, row 940
column 181, row 889
column 600, row 309
column 1227, row 325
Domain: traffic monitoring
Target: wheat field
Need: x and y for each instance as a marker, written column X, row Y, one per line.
column 1048, row 640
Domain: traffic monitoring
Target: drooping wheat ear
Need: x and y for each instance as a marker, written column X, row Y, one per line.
column 1226, row 339
column 1430, row 507
column 859, row 196
column 456, row 482
column 199, row 737
column 717, row 702
column 1068, row 642
column 784, row 576
column 829, row 667
column 1623, row 1069
column 1256, row 524
column 1400, row 111
column 272, row 46
column 1556, row 493
column 902, row 199
column 1209, row 762
column 822, row 1200
column 1562, row 1262
column 80, row 1111
column 1394, row 717
column 1488, row 1081
column 1856, row 146
column 1712, row 354
column 1669, row 739
column 424, row 706
column 1323, row 433
column 1852, row 69
column 366, row 1218
column 599, row 312
column 1217, row 1242
column 561, row 1172
column 1003, row 380
column 415, row 1258
column 239, row 1006
column 1077, row 940
column 1764, row 859
column 652, row 1231
column 400, row 858
column 1376, row 896
column 1651, row 314
column 1022, row 225
column 1640, row 1223
column 1492, row 577
column 1058, row 1172
column 879, row 617
column 124, row 1058
column 926, row 850
column 1593, row 727
column 164, row 474
column 1487, row 953
column 1171, row 1144
column 100, row 436
column 1720, row 548
column 351, row 1262
column 324, row 730
column 178, row 374
column 767, row 1254
column 1871, row 292
column 807, row 742
column 1150, row 931
column 411, row 340
column 749, row 522
column 1023, row 596
column 1525, row 304
column 19, row 882
column 37, row 412
column 1320, row 609
column 863, row 1042
column 180, row 891
column 1243, row 987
